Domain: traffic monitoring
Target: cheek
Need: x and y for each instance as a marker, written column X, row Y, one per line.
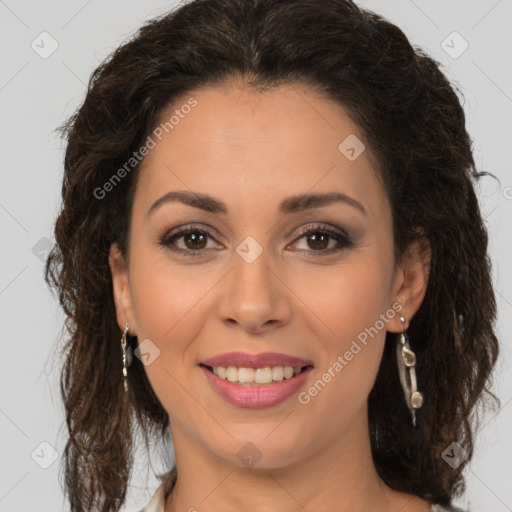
column 168, row 308
column 351, row 351
column 167, row 300
column 170, row 313
column 352, row 303
column 347, row 298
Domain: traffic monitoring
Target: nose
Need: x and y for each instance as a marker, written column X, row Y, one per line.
column 255, row 297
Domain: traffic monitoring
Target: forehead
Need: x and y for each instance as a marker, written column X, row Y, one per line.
column 247, row 146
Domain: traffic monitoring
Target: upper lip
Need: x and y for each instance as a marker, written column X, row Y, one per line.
column 246, row 360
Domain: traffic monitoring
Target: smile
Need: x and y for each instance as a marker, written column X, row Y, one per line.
column 252, row 376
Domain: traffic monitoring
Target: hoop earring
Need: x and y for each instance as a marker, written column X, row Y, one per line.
column 125, row 358
column 406, row 359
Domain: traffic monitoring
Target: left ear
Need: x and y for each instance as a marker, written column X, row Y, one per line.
column 410, row 283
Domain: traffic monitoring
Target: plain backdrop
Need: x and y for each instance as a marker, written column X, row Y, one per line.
column 48, row 51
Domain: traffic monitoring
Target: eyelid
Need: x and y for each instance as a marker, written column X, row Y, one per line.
column 322, row 226
column 193, row 226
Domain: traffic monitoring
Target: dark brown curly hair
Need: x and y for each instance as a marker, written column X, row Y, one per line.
column 414, row 123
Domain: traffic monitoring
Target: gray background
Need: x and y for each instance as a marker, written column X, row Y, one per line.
column 38, row 91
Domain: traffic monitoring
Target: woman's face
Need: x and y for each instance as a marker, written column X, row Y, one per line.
column 248, row 278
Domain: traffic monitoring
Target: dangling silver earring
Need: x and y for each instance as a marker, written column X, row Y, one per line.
column 406, row 359
column 126, row 358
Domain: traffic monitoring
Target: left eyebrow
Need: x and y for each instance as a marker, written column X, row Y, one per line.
column 307, row 201
column 292, row 204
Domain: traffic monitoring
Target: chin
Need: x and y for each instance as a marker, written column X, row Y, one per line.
column 260, row 448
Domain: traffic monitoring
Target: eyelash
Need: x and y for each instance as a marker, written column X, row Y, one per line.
column 338, row 236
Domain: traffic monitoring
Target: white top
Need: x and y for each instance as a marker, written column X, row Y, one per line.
column 157, row 501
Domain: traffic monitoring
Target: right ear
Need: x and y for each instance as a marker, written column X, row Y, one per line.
column 121, row 289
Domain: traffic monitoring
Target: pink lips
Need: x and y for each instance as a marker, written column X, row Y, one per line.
column 265, row 395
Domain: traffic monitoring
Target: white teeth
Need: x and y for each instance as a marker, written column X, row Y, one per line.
column 245, row 375
column 277, row 373
column 232, row 374
column 265, row 375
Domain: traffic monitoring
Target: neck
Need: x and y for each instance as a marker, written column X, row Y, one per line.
column 340, row 477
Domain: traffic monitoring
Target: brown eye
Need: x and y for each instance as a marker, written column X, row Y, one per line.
column 192, row 240
column 318, row 240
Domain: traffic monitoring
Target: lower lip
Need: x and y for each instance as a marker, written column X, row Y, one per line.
column 256, row 396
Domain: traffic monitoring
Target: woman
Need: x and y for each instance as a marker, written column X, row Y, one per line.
column 271, row 204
